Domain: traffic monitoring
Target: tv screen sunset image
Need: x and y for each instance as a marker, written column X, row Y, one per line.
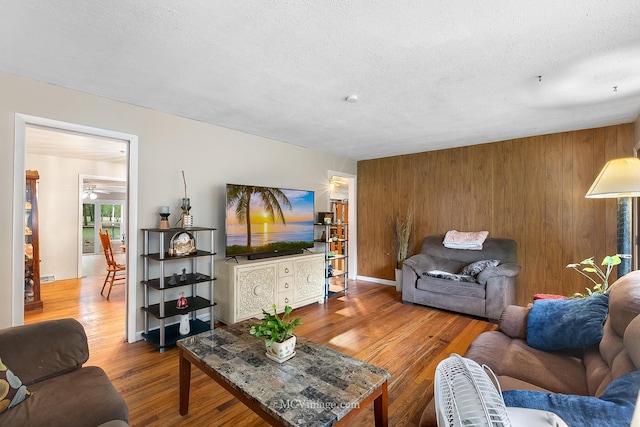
column 268, row 219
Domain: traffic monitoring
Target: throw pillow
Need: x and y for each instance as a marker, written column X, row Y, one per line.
column 475, row 268
column 439, row 274
column 614, row 408
column 12, row 391
column 555, row 324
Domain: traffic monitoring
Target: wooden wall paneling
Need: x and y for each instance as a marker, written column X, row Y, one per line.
column 583, row 209
column 382, row 260
column 479, row 187
column 370, row 194
column 441, row 176
column 457, row 177
column 534, row 190
column 498, row 182
column 502, row 209
column 529, row 189
column 425, row 192
column 583, row 169
column 552, row 226
column 568, row 249
column 519, row 199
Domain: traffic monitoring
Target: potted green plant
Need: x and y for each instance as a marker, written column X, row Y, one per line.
column 594, row 273
column 279, row 333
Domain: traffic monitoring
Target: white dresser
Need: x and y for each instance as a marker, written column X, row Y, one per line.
column 243, row 287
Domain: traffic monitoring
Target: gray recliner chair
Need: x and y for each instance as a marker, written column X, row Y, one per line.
column 425, row 280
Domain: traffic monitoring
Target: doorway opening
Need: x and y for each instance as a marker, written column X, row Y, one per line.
column 71, row 144
column 342, row 201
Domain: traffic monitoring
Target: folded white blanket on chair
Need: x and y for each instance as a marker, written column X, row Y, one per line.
column 472, row 240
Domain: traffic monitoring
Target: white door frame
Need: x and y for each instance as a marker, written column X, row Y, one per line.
column 19, row 185
column 352, row 261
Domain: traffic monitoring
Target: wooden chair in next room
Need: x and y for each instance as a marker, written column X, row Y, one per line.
column 115, row 271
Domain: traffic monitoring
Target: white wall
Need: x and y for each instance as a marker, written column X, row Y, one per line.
column 58, row 214
column 210, row 155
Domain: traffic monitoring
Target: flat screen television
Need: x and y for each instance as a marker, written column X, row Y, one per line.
column 268, row 221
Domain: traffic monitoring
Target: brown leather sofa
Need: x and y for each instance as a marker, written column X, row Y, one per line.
column 48, row 357
column 580, row 372
column 492, row 291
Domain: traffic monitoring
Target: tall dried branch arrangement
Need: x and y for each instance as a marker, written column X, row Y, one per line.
column 185, row 185
column 402, row 232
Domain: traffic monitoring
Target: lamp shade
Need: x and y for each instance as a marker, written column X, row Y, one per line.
column 618, row 178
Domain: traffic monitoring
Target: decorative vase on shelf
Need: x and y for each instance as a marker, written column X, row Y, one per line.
column 185, row 328
column 187, row 221
column 164, row 218
column 187, row 218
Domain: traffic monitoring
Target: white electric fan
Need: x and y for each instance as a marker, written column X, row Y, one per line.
column 466, row 397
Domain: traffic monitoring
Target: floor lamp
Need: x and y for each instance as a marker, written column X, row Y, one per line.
column 620, row 178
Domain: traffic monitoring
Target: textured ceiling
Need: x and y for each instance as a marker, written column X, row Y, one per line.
column 428, row 74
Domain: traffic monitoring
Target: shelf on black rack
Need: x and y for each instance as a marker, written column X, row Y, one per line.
column 172, row 333
column 170, row 309
column 191, row 279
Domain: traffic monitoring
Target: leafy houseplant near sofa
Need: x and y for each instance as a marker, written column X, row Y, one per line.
column 279, row 333
column 601, row 282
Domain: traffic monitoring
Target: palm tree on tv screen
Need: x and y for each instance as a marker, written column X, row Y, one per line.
column 271, row 199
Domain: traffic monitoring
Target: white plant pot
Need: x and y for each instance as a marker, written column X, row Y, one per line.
column 282, row 351
column 398, row 280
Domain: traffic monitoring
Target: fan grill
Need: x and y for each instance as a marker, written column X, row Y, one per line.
column 466, row 396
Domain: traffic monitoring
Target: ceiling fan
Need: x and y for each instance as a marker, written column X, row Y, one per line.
column 91, row 192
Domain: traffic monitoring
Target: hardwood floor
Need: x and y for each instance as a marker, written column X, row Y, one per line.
column 371, row 323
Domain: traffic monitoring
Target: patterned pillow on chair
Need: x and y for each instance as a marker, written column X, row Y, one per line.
column 476, row 268
column 12, row 391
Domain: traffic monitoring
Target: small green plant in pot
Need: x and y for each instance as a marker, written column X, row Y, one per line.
column 279, row 333
column 598, row 276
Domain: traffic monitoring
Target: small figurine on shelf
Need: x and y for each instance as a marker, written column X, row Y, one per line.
column 183, row 276
column 174, row 279
column 182, row 301
column 28, row 287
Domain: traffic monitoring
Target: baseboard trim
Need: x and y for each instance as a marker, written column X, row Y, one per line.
column 376, row 280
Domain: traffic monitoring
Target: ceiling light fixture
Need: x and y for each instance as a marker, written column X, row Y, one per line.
column 89, row 193
column 352, row 99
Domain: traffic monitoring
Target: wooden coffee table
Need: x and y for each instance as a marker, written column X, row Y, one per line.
column 319, row 386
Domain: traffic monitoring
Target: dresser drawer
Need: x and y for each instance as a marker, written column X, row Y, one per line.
column 285, row 284
column 284, row 299
column 285, row 268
